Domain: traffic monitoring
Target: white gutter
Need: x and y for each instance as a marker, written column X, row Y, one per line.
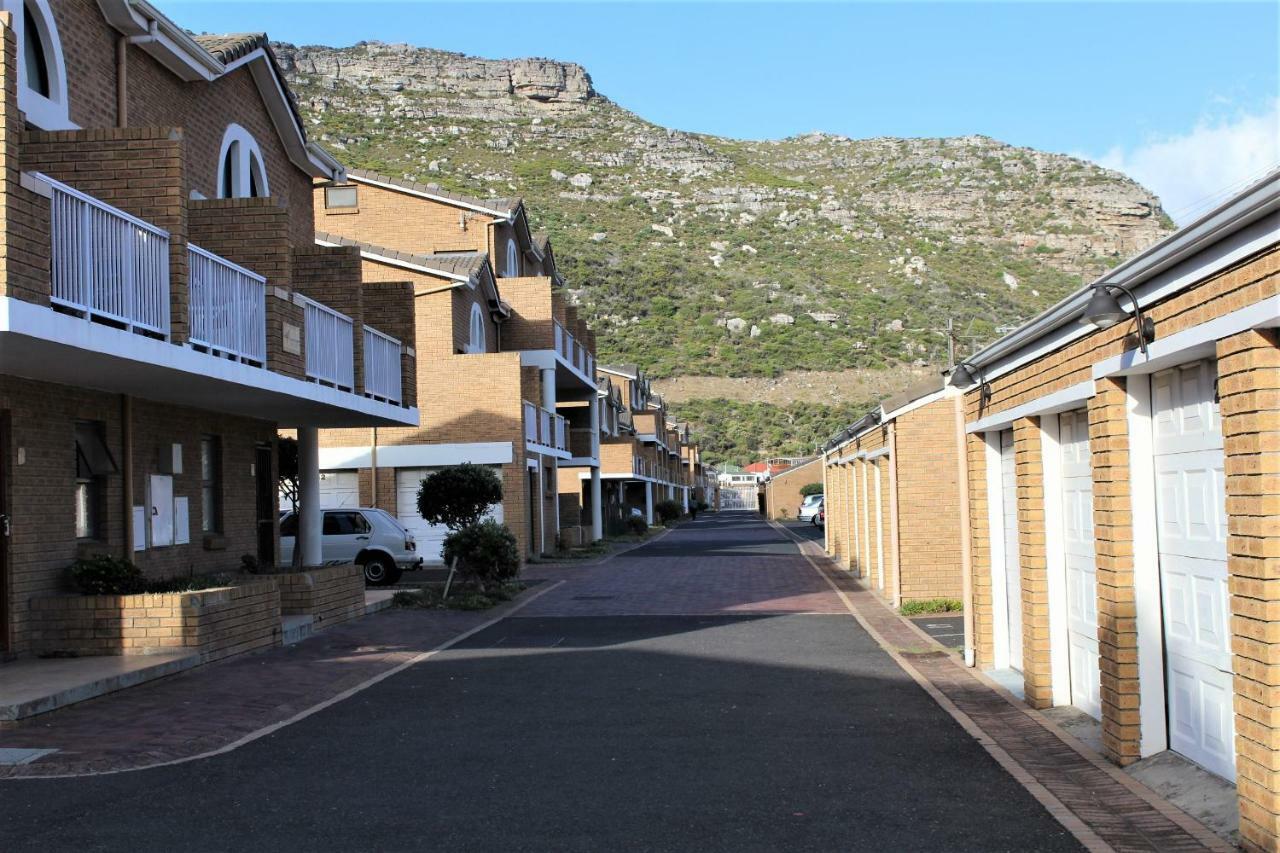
column 395, row 262
column 509, row 218
column 1234, row 214
column 136, row 17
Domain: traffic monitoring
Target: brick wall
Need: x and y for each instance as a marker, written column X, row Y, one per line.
column 404, row 222
column 532, row 310
column 929, row 523
column 980, row 545
column 1033, row 562
column 331, row 275
column 330, row 595
column 389, row 307
column 24, row 216
column 782, row 494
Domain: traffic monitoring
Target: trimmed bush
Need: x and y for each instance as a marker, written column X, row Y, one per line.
column 486, row 552
column 668, row 511
column 107, row 575
column 637, row 525
column 810, row 489
column 458, row 496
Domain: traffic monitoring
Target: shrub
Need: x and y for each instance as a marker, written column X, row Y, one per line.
column 810, row 489
column 486, row 552
column 703, row 506
column 637, row 525
column 459, row 495
column 931, row 605
column 668, row 510
column 107, row 575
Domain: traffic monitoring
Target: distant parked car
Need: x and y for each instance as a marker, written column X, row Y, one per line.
column 809, row 508
column 362, row 535
column 820, row 520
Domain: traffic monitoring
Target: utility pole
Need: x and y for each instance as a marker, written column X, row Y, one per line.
column 951, row 342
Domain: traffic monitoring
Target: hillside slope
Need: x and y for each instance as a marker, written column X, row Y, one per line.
column 701, row 255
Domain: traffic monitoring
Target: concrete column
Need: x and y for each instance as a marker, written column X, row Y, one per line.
column 541, row 505
column 597, row 511
column 549, row 389
column 684, row 496
column 555, row 500
column 309, row 519
column 648, row 503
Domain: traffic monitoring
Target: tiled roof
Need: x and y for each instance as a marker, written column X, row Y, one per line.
column 232, row 46
column 456, row 263
column 623, row 369
column 507, row 206
column 915, row 392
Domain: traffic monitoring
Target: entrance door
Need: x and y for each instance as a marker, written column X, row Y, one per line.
column 1012, row 564
column 1082, row 572
column 265, row 500
column 1192, row 531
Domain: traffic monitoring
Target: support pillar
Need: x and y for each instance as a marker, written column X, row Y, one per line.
column 597, row 509
column 648, row 503
column 309, row 518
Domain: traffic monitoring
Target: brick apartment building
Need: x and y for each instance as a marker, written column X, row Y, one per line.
column 507, row 367
column 163, row 307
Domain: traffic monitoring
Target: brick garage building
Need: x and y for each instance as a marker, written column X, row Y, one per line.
column 147, row 367
column 782, row 496
column 893, row 500
column 507, row 367
column 1124, row 491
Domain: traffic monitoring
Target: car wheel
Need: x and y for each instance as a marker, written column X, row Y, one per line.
column 381, row 571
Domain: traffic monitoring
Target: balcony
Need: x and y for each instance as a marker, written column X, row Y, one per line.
column 330, row 345
column 571, row 350
column 228, row 308
column 382, row 373
column 545, row 431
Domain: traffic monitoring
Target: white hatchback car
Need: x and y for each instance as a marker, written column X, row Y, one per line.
column 809, row 508
column 365, row 536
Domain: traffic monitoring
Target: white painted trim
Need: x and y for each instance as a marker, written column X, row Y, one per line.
column 20, row 319
column 879, row 499
column 995, row 533
column 919, row 403
column 452, row 202
column 874, row 454
column 476, row 342
column 1050, row 404
column 1192, row 344
column 396, row 262
column 47, row 113
column 249, row 154
column 1146, row 569
column 1055, row 560
column 417, row 455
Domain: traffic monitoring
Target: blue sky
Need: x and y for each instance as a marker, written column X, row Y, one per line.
column 1183, row 96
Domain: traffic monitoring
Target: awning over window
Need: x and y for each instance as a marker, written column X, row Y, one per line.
column 93, row 458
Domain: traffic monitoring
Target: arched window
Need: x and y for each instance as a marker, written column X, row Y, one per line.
column 240, row 170
column 42, row 77
column 513, row 259
column 476, row 342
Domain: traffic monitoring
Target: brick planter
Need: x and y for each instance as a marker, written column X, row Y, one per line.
column 214, row 623
column 329, row 595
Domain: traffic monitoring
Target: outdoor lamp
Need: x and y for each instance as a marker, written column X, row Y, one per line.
column 1105, row 311
column 964, row 374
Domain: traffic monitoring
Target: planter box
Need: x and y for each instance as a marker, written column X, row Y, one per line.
column 328, row 595
column 215, row 623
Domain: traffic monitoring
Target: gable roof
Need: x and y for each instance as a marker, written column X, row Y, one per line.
column 503, row 208
column 470, row 268
column 207, row 58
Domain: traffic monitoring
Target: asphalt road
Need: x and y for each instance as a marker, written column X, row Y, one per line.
column 585, row 733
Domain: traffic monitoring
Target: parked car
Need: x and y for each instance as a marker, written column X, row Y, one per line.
column 368, row 537
column 809, row 508
column 820, row 520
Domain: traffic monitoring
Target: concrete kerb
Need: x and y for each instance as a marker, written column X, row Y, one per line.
column 568, row 564
column 319, row 706
column 1068, row 819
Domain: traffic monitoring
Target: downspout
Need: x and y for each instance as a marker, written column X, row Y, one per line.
column 122, row 70
column 893, row 514
column 126, row 463
column 966, row 533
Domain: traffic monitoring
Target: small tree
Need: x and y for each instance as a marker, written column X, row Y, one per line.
column 810, row 489
column 668, row 510
column 287, row 469
column 486, row 552
column 458, row 496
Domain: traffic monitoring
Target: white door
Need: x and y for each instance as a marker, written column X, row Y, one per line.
column 161, row 496
column 339, row 490
column 1012, row 565
column 1082, row 571
column 429, row 537
column 875, row 493
column 1192, row 531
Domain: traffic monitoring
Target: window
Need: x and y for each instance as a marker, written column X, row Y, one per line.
column 241, row 173
column 476, row 338
column 93, row 463
column 341, row 197
column 210, row 484
column 42, row 87
column 513, row 259
column 344, row 524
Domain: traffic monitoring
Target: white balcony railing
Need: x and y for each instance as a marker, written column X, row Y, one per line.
column 545, row 428
column 571, row 350
column 106, row 264
column 228, row 308
column 330, row 345
column 381, row 366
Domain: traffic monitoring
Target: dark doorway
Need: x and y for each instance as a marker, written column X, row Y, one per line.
column 6, row 525
column 534, row 497
column 265, row 487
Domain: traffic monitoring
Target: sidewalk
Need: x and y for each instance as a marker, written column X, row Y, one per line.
column 217, row 706
column 1102, row 806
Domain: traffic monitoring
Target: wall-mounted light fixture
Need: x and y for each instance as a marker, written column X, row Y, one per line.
column 965, row 373
column 1105, row 311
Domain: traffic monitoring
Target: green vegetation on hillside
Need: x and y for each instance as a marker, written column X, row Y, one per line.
column 741, row 431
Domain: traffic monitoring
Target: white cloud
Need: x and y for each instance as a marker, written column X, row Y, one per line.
column 1194, row 171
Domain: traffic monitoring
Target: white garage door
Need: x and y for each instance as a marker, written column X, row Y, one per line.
column 339, row 489
column 429, row 537
column 1192, row 529
column 1012, row 565
column 1082, row 571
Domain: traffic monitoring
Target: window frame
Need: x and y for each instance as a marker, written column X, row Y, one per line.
column 477, row 335
column 242, row 170
column 51, row 111
column 89, row 485
column 354, row 189
column 211, row 483
column 512, row 266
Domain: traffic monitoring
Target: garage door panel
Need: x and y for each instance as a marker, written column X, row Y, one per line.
column 339, row 490
column 1080, row 562
column 429, row 537
column 1013, row 568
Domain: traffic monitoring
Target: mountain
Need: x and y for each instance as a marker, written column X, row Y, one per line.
column 703, row 256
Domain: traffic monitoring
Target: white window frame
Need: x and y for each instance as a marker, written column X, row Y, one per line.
column 476, row 340
column 53, row 112
column 513, row 259
column 247, row 159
